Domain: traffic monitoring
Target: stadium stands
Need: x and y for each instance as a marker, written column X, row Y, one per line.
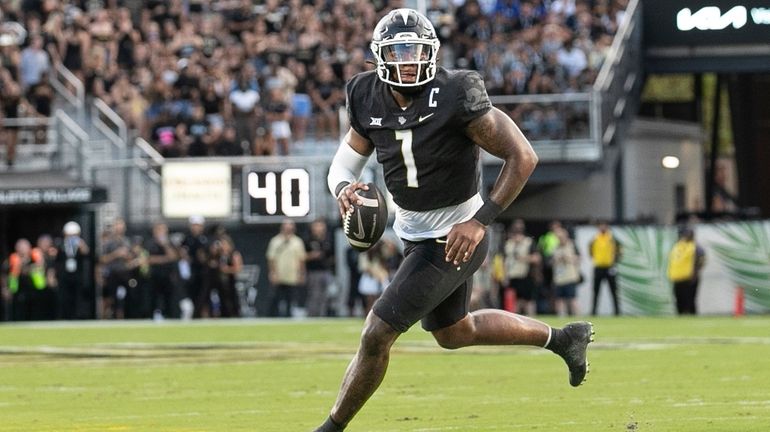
column 263, row 74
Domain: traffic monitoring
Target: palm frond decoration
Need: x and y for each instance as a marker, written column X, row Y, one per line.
column 642, row 282
column 744, row 250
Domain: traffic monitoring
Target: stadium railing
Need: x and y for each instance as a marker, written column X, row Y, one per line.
column 71, row 144
column 618, row 85
column 70, row 89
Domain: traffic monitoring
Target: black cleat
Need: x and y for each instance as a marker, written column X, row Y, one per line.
column 574, row 353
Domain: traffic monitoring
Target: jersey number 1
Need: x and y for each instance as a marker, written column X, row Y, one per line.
column 405, row 136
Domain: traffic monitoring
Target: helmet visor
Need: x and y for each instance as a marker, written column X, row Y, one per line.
column 406, row 53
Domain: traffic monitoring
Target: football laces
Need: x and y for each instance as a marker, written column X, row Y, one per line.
column 346, row 220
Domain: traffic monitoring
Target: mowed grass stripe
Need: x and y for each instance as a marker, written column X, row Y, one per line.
column 660, row 374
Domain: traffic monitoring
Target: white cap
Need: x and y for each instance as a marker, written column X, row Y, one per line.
column 196, row 220
column 71, row 228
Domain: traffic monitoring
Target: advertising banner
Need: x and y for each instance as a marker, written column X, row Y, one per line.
column 737, row 262
column 197, row 188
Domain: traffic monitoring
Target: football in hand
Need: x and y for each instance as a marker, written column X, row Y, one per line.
column 364, row 224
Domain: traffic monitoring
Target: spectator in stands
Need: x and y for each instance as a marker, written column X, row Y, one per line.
column 11, row 102
column 325, row 91
column 168, row 136
column 35, row 63
column 301, row 103
column 70, row 261
column 213, row 103
column 40, row 101
column 572, row 58
column 278, row 115
column 193, row 250
column 356, row 302
column 520, row 255
column 23, row 274
column 546, row 245
column 244, row 99
column 484, row 287
column 374, row 275
column 319, row 264
column 605, row 254
column 226, row 143
column 198, row 133
column 566, row 274
column 685, row 262
column 162, row 260
column 138, row 298
column 230, row 265
column 392, row 256
column 286, row 258
column 114, row 259
column 74, row 44
column 44, row 301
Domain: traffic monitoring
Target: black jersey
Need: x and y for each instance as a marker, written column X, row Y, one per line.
column 427, row 159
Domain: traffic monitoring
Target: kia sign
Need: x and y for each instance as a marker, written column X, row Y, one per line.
column 712, row 22
column 706, row 35
column 711, row 18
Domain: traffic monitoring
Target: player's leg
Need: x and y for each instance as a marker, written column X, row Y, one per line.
column 453, row 327
column 492, row 327
column 421, row 283
column 496, row 327
column 364, row 373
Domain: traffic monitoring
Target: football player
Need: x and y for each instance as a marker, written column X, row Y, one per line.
column 426, row 125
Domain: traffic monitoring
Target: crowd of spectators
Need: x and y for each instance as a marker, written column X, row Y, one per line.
column 193, row 273
column 160, row 275
column 26, row 91
column 197, row 272
column 198, row 77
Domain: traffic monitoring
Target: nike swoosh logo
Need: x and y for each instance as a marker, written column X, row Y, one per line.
column 360, row 234
column 440, row 241
column 419, row 120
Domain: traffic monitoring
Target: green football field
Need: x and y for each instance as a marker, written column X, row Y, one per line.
column 647, row 374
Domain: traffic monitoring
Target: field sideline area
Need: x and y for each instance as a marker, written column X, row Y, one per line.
column 647, row 374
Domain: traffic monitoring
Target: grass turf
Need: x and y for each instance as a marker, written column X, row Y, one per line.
column 647, row 374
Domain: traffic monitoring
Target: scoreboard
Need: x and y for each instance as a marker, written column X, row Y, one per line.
column 276, row 193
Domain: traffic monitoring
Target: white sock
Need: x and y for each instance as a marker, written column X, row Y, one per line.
column 550, row 333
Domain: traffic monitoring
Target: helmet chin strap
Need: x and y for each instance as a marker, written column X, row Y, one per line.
column 408, row 91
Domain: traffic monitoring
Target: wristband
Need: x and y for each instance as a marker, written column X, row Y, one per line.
column 339, row 188
column 488, row 212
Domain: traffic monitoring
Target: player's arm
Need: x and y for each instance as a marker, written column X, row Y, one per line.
column 346, row 168
column 496, row 133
